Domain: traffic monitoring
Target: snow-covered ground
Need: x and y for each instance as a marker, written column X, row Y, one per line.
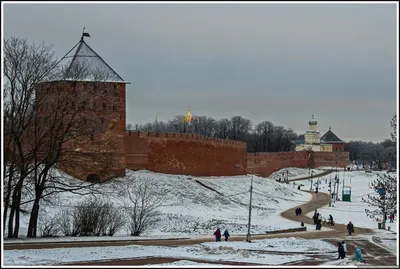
column 353, row 211
column 213, row 251
column 294, row 172
column 190, row 209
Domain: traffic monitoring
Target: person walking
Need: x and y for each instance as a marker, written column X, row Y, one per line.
column 350, row 228
column 217, row 234
column 344, row 248
column 226, row 235
column 315, row 218
column 359, row 257
column 318, row 226
column 330, row 220
column 340, row 251
column 391, row 217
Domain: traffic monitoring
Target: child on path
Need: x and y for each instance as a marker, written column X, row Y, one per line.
column 359, row 257
column 226, row 235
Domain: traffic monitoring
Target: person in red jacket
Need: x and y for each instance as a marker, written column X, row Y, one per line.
column 217, row 234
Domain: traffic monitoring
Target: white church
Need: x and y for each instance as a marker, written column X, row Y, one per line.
column 313, row 141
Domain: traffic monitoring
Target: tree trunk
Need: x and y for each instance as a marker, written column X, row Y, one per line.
column 10, row 223
column 384, row 213
column 14, row 208
column 33, row 220
column 17, row 212
column 7, row 197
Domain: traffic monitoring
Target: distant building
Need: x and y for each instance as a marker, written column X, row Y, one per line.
column 313, row 141
column 331, row 143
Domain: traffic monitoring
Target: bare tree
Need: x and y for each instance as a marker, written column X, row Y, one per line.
column 384, row 201
column 51, row 121
column 24, row 66
column 143, row 209
column 223, row 127
column 393, row 124
column 265, row 130
column 240, row 128
column 178, row 125
column 203, row 125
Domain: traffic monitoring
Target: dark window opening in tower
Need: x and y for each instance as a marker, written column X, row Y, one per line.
column 104, row 106
column 114, row 108
column 93, row 178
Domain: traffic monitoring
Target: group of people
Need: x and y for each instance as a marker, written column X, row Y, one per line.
column 217, row 234
column 298, row 211
column 342, row 250
column 317, row 221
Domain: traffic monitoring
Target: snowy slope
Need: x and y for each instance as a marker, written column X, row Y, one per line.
column 191, row 209
column 353, row 211
column 294, row 172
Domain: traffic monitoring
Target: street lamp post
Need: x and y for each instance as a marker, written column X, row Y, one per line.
column 311, row 178
column 251, row 198
column 330, row 192
column 337, row 190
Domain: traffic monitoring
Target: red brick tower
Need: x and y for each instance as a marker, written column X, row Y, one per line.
column 95, row 96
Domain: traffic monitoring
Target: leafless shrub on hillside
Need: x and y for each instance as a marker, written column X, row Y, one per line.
column 143, row 210
column 94, row 216
column 76, row 222
column 117, row 220
column 49, row 226
column 65, row 223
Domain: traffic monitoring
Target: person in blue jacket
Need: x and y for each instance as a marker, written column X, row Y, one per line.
column 359, row 257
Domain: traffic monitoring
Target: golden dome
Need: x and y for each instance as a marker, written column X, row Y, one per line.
column 188, row 117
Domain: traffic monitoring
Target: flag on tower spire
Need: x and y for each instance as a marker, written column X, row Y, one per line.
column 85, row 33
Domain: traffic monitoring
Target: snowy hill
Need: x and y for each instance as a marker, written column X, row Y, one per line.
column 195, row 205
column 295, row 172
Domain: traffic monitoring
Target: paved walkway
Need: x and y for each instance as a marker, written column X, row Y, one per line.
column 320, row 200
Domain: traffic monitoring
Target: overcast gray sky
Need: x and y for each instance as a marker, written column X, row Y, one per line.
column 276, row 62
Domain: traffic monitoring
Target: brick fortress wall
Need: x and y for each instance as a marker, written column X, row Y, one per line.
column 265, row 163
column 333, row 159
column 186, row 154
